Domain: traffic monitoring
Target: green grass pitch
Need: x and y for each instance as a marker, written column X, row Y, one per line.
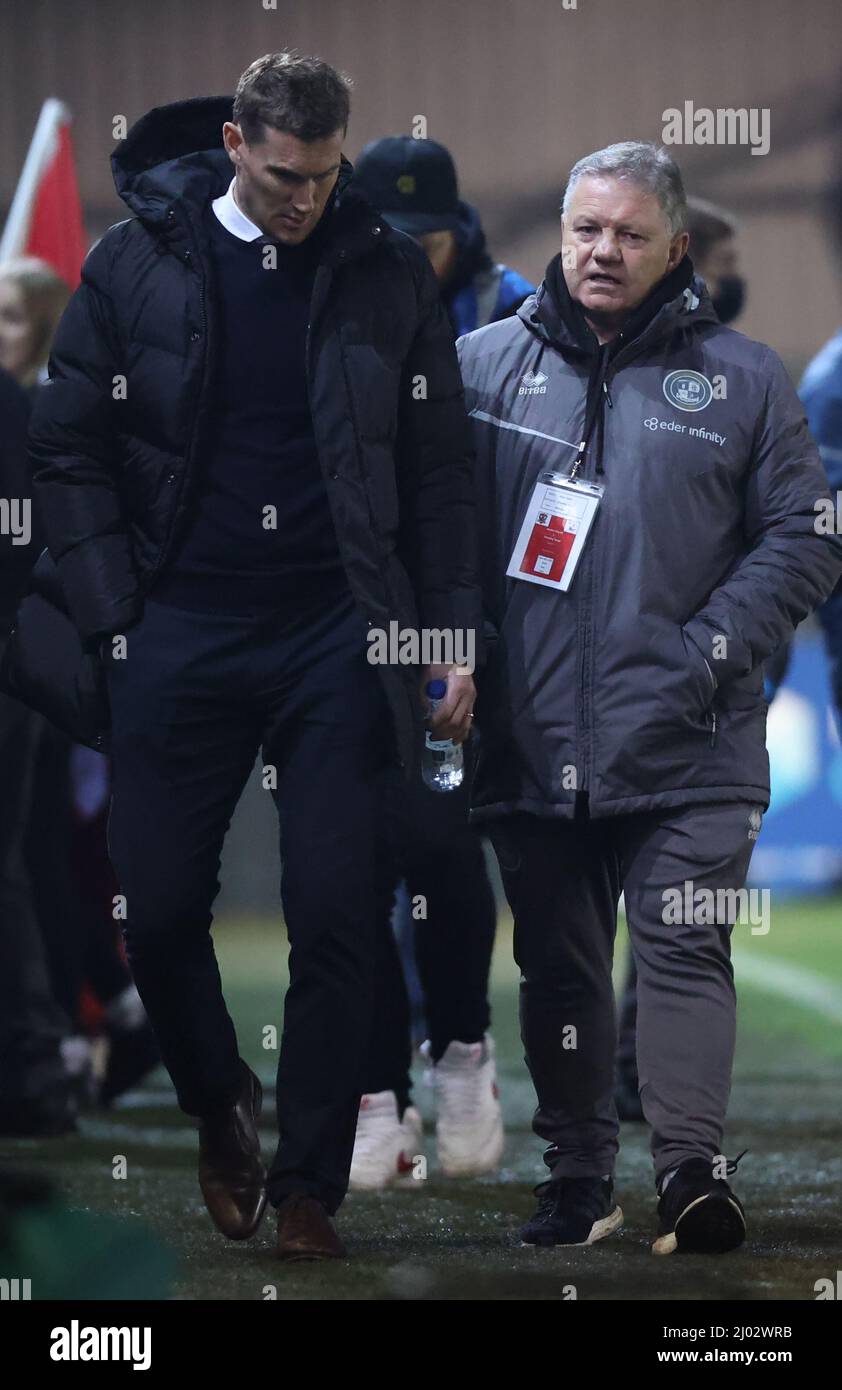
column 457, row 1239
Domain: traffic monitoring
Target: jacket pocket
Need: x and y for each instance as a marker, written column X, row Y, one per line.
column 745, row 692
column 707, row 684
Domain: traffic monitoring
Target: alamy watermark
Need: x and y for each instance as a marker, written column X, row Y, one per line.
column 721, row 907
column 828, row 520
column 15, row 1289
column 78, row 1342
column 724, row 125
column 426, row 646
column 16, row 519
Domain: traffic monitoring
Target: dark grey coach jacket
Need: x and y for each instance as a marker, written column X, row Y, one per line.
column 623, row 687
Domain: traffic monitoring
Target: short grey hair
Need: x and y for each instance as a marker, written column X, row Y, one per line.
column 647, row 165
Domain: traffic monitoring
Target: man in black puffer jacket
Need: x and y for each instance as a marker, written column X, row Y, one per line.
column 253, row 450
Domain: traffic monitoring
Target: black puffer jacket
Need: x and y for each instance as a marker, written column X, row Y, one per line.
column 116, row 478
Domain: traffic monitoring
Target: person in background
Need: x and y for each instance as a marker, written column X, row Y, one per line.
column 821, row 394
column 62, row 843
column 413, row 184
column 36, row 1096
column 32, row 300
column 716, row 256
column 716, row 260
column 436, row 979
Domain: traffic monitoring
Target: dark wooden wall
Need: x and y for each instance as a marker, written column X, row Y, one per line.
column 518, row 88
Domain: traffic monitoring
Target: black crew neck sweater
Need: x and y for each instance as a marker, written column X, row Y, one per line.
column 261, row 534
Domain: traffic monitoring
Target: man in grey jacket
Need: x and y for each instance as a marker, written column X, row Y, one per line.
column 621, row 712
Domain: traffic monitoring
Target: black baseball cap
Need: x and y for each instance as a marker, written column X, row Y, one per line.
column 411, row 182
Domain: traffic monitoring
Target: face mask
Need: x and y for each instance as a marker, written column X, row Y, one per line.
column 731, row 298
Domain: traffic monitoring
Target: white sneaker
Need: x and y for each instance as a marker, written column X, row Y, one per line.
column 385, row 1147
column 78, row 1059
column 469, row 1121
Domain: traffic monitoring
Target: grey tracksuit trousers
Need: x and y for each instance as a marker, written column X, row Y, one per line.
column 563, row 881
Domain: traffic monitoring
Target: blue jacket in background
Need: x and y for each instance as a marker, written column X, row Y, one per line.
column 480, row 291
column 821, row 393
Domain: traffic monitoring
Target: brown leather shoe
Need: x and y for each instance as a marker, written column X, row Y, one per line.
column 231, row 1174
column 306, row 1231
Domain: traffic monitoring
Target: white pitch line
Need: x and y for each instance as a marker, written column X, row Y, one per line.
column 793, row 982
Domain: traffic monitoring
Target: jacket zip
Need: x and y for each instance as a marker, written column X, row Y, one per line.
column 317, row 303
column 323, row 274
column 351, row 408
column 584, row 701
column 594, row 419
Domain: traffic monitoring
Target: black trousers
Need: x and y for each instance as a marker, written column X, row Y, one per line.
column 428, row 842
column 32, row 1022
column 195, row 699
column 72, row 884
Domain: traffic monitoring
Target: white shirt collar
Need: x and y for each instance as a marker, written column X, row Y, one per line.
column 232, row 219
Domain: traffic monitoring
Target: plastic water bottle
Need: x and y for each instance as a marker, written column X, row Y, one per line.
column 442, row 764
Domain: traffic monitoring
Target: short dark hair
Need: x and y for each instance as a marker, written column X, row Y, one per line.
column 298, row 95
column 707, row 224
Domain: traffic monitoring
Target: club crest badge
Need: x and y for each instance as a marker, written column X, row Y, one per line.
column 688, row 390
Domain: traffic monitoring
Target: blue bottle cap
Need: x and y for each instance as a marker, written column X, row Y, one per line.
column 436, row 689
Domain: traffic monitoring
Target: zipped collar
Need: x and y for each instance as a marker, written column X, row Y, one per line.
column 678, row 301
column 173, row 163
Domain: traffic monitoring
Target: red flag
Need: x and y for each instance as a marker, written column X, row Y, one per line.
column 45, row 218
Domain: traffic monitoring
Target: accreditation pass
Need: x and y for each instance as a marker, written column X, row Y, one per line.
column 558, row 519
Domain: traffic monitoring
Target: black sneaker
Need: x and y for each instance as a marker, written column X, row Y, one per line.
column 573, row 1211
column 699, row 1212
